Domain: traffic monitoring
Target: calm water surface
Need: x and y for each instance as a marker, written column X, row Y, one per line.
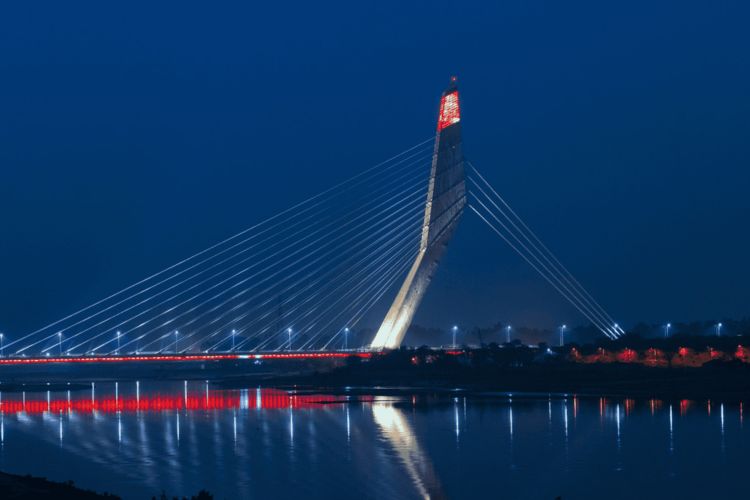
column 139, row 439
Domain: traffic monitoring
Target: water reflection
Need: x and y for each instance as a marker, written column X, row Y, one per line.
column 216, row 400
column 140, row 438
column 511, row 451
column 510, row 419
column 348, row 423
column 671, row 431
column 455, row 420
column 396, row 428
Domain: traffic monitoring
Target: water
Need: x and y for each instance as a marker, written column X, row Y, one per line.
column 139, row 440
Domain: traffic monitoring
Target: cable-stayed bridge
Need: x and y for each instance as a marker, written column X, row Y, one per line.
column 297, row 284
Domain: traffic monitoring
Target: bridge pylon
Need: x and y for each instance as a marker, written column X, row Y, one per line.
column 446, row 198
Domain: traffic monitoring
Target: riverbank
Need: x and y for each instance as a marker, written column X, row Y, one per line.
column 478, row 370
column 15, row 487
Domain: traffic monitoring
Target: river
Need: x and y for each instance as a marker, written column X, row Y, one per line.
column 139, row 439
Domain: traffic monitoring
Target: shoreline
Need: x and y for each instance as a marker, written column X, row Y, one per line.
column 28, row 486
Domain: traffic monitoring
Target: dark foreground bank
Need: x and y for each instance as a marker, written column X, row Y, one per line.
column 28, row 487
column 15, row 487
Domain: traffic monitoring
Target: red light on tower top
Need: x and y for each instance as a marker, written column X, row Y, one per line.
column 449, row 110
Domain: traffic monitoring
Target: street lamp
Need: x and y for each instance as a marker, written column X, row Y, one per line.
column 507, row 334
column 59, row 342
column 562, row 335
column 176, row 334
column 289, row 333
column 234, row 332
column 718, row 329
column 666, row 329
column 118, row 342
column 2, row 344
column 346, row 338
column 455, row 330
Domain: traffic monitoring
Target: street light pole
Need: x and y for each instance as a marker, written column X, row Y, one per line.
column 289, row 332
column 507, row 334
column 455, row 329
column 718, row 329
column 346, row 339
column 118, row 341
column 562, row 335
column 666, row 329
column 2, row 345
column 59, row 342
column 176, row 334
column 234, row 332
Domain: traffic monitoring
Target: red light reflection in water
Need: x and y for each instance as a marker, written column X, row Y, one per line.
column 629, row 405
column 214, row 400
column 655, row 404
column 684, row 406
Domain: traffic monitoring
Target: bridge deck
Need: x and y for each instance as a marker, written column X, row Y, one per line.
column 133, row 358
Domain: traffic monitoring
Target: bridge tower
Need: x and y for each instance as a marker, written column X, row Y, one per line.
column 446, row 198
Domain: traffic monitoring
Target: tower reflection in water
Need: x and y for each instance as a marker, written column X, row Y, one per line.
column 396, row 429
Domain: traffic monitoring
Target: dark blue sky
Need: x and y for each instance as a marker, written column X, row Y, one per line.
column 135, row 134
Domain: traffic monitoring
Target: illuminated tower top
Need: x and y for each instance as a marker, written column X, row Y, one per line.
column 450, row 111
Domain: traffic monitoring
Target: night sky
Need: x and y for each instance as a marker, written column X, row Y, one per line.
column 134, row 134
